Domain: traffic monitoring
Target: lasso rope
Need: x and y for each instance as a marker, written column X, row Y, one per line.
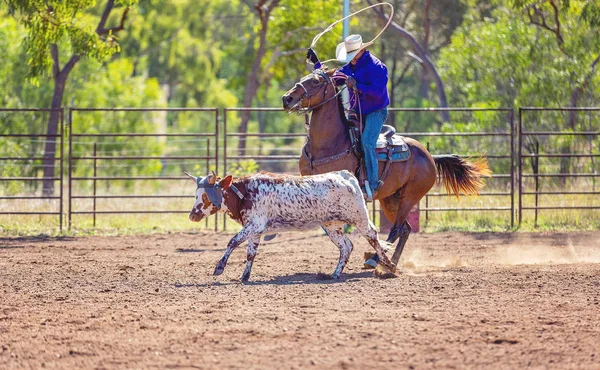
column 317, row 37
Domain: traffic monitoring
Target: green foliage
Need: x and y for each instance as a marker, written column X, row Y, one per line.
column 508, row 62
column 184, row 49
column 55, row 22
column 243, row 168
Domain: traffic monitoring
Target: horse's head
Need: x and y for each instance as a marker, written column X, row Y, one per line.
column 209, row 195
column 311, row 91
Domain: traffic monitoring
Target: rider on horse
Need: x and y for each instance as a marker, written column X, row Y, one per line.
column 367, row 78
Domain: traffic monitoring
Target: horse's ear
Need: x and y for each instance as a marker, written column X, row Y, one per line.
column 226, row 182
column 190, row 176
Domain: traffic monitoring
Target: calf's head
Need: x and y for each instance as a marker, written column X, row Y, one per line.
column 209, row 195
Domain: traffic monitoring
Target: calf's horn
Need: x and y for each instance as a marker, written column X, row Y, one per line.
column 190, row 176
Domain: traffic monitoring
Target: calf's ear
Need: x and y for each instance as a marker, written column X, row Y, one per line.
column 226, row 182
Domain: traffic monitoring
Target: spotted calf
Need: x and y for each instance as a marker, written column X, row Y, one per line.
column 268, row 202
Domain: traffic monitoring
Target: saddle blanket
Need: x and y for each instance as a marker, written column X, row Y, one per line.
column 396, row 144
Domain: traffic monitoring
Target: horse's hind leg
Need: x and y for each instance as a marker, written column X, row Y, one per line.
column 401, row 204
column 335, row 231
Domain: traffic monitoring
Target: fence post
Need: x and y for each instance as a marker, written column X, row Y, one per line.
column 95, row 174
column 427, row 199
column 70, row 205
column 62, row 173
column 512, row 168
column 520, row 166
column 224, row 161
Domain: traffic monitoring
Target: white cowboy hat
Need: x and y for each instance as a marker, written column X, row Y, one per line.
column 348, row 49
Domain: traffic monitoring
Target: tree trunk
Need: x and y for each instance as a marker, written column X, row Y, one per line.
column 254, row 75
column 425, row 61
column 425, row 81
column 60, row 80
column 424, row 90
column 52, row 129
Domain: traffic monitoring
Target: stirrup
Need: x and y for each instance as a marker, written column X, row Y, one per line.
column 378, row 187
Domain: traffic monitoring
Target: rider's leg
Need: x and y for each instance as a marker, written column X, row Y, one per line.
column 373, row 123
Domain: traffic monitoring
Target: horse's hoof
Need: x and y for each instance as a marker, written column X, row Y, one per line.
column 269, row 237
column 218, row 271
column 383, row 273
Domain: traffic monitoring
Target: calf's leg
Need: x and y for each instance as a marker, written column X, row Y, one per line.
column 335, row 231
column 238, row 239
column 368, row 230
column 253, row 243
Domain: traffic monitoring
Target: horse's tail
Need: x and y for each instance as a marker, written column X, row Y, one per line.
column 459, row 175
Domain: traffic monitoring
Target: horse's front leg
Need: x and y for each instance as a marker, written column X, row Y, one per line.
column 238, row 239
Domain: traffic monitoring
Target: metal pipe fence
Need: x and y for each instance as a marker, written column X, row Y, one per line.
column 571, row 181
column 471, row 145
column 157, row 167
column 23, row 161
column 535, row 163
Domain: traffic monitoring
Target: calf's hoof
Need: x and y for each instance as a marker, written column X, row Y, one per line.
column 322, row 276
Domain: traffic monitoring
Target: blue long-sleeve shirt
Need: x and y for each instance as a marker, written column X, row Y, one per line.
column 371, row 80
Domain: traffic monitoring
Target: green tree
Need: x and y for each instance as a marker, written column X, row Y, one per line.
column 501, row 60
column 55, row 28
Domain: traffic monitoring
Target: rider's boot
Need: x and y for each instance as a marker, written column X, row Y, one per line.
column 368, row 192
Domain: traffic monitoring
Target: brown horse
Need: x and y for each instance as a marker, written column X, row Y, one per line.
column 329, row 148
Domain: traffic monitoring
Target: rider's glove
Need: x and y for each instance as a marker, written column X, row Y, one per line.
column 311, row 56
column 350, row 82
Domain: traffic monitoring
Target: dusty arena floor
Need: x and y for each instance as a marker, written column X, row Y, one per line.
column 462, row 301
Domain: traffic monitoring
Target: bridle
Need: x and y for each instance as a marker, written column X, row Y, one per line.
column 306, row 95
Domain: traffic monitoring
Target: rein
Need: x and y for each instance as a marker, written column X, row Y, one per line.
column 328, row 81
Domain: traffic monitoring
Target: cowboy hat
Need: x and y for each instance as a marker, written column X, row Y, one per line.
column 348, row 49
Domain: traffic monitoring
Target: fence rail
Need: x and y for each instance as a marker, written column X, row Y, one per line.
column 12, row 115
column 530, row 118
column 210, row 157
column 520, row 146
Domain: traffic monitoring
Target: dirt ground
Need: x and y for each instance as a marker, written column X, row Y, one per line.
column 467, row 301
